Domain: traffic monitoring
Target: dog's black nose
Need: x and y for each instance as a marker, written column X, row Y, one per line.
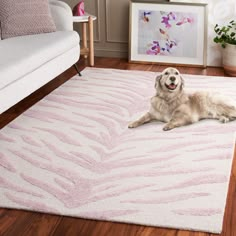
column 172, row 78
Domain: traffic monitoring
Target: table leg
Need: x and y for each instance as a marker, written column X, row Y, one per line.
column 91, row 42
column 84, row 37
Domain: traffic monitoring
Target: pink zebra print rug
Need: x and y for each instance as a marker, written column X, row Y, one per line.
column 72, row 154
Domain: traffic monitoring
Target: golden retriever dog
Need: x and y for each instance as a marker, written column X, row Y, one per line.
column 174, row 106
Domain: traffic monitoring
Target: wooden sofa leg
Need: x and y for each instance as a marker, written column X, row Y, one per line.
column 77, row 69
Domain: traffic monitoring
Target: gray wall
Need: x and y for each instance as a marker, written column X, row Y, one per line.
column 111, row 27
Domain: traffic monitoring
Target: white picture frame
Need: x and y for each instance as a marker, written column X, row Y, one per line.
column 168, row 33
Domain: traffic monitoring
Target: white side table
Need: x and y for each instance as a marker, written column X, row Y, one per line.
column 87, row 19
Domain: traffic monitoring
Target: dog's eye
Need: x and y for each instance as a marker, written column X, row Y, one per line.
column 166, row 73
column 176, row 73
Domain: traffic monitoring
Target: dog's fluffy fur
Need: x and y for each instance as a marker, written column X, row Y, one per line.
column 174, row 106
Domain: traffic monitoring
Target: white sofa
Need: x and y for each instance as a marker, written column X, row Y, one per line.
column 29, row 62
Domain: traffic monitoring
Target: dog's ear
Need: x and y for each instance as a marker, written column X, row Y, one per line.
column 157, row 83
column 182, row 82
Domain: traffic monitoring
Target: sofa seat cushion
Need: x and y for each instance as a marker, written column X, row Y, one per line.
column 22, row 55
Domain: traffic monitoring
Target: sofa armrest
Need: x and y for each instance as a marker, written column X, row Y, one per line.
column 62, row 15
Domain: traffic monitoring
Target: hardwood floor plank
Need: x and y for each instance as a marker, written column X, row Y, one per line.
column 214, row 71
column 15, row 222
column 7, row 219
column 42, row 224
column 68, row 227
column 72, row 226
column 20, row 220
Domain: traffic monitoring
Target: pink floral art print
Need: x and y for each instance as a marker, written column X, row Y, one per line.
column 167, row 33
column 167, row 36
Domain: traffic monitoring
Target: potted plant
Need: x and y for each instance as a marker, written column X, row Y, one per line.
column 226, row 36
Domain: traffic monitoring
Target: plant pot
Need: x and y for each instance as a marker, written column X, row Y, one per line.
column 229, row 59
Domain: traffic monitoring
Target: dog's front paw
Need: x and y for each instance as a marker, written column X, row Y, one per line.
column 168, row 127
column 133, row 125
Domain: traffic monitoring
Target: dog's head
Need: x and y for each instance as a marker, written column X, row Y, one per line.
column 169, row 81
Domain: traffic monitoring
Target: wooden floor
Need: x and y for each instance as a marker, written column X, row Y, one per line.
column 16, row 223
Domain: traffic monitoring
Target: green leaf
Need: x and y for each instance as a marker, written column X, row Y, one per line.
column 225, row 34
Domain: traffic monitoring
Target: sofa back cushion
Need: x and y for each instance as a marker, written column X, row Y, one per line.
column 24, row 17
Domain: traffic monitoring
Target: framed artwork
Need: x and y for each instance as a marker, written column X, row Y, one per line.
column 168, row 33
